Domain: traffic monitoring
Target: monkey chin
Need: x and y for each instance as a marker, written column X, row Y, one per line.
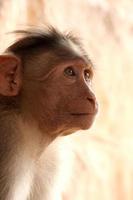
column 80, row 122
column 86, row 124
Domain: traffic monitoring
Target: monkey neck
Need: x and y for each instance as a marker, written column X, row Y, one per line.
column 23, row 136
column 33, row 137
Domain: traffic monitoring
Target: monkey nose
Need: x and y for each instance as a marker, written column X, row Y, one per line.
column 93, row 102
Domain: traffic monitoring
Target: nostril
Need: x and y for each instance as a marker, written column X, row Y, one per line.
column 93, row 102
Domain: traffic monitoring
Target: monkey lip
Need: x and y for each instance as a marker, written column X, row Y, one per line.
column 82, row 114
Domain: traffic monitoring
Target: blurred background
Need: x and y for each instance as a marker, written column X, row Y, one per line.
column 102, row 158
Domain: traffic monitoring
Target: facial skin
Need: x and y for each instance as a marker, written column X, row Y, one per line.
column 75, row 106
column 45, row 92
column 65, row 99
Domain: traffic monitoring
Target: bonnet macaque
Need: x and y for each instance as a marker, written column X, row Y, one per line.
column 45, row 93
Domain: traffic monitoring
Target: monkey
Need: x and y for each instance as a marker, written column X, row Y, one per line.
column 45, row 93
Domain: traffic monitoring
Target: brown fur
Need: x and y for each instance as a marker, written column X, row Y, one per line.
column 45, row 92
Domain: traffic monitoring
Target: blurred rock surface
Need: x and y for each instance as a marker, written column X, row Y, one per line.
column 103, row 168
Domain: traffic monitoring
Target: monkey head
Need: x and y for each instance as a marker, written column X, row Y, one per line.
column 46, row 76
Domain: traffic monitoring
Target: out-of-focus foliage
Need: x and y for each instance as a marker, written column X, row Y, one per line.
column 104, row 163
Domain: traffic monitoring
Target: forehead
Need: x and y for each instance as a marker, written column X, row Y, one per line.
column 68, row 50
column 64, row 51
column 63, row 55
column 79, row 54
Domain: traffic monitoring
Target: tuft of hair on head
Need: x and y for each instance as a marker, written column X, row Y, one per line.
column 34, row 39
column 47, row 37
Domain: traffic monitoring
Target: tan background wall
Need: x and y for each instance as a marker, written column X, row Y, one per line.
column 104, row 164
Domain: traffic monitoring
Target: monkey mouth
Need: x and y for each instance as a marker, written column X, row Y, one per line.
column 82, row 114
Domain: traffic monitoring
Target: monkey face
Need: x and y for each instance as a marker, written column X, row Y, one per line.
column 50, row 79
column 61, row 101
column 65, row 101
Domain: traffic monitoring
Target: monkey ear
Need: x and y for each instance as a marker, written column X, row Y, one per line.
column 10, row 75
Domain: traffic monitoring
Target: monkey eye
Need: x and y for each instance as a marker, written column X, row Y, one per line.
column 69, row 71
column 87, row 75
